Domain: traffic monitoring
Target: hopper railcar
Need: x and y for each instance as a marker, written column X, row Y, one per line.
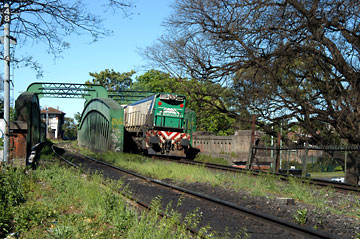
column 160, row 125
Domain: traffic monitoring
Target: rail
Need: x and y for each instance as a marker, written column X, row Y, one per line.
column 319, row 182
column 303, row 230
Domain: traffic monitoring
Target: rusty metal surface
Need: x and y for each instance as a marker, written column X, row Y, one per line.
column 27, row 109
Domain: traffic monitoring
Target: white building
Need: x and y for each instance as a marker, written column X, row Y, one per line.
column 54, row 119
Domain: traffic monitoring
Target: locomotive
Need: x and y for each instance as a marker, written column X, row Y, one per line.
column 160, row 124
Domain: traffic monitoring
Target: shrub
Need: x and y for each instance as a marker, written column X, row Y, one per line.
column 12, row 193
column 339, row 169
column 32, row 214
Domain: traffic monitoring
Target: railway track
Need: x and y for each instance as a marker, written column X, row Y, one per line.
column 343, row 187
column 142, row 205
column 292, row 230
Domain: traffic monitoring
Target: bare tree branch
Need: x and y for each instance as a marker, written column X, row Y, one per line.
column 52, row 21
column 286, row 60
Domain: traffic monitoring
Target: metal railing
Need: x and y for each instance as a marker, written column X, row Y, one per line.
column 318, row 157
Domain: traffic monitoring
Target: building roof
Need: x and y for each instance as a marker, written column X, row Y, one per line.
column 51, row 110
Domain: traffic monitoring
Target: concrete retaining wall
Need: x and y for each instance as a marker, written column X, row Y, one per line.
column 232, row 148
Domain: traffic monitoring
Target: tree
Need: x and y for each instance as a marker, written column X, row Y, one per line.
column 112, row 80
column 209, row 117
column 69, row 128
column 77, row 117
column 156, row 81
column 51, row 21
column 287, row 60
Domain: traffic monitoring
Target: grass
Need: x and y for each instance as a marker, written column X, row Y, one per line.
column 58, row 202
column 208, row 159
column 327, row 174
column 13, row 188
column 64, row 204
column 266, row 186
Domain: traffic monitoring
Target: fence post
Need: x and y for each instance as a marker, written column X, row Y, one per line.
column 345, row 167
column 287, row 161
column 305, row 159
column 252, row 141
column 277, row 158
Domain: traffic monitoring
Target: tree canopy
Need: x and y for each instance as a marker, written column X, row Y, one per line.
column 112, row 80
column 294, row 61
column 209, row 113
column 69, row 128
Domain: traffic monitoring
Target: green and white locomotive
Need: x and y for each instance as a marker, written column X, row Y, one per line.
column 160, row 125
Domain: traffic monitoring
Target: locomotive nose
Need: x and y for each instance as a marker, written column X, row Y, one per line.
column 167, row 145
column 185, row 142
column 154, row 140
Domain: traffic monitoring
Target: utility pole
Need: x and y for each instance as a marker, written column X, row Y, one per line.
column 7, row 19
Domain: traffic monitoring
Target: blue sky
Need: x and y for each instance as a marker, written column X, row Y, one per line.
column 118, row 52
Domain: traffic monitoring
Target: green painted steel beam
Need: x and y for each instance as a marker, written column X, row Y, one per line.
column 101, row 126
column 67, row 90
column 127, row 96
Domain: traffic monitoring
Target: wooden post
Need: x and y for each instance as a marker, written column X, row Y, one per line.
column 252, row 142
column 345, row 160
column 305, row 159
column 277, row 158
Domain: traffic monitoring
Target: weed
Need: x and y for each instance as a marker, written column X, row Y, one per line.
column 46, row 152
column 32, row 214
column 208, row 159
column 301, row 216
column 12, row 193
column 62, row 231
column 268, row 185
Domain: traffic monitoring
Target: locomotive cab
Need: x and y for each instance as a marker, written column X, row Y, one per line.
column 163, row 122
column 169, row 111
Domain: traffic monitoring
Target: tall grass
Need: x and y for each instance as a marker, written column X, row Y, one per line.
column 266, row 186
column 58, row 202
column 208, row 159
column 13, row 188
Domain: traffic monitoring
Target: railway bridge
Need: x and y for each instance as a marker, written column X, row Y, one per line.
column 101, row 125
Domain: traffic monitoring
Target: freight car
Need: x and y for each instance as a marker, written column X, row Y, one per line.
column 160, row 124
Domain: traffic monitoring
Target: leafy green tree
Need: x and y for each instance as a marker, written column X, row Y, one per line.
column 112, row 80
column 156, row 81
column 77, row 117
column 69, row 128
column 207, row 106
column 286, row 60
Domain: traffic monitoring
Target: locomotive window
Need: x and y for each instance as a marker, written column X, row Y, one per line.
column 171, row 97
column 172, row 102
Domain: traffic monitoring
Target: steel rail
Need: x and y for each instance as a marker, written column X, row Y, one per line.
column 304, row 230
column 318, row 182
column 132, row 200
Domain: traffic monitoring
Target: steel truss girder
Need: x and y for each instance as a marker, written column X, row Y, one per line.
column 67, row 90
